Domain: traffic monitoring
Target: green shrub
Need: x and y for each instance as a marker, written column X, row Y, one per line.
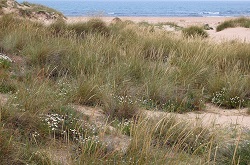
column 194, row 31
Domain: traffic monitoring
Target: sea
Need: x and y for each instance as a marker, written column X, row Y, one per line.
column 147, row 8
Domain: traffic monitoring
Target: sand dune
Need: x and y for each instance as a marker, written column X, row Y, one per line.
column 241, row 34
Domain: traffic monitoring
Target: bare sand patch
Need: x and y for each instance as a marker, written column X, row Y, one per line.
column 3, row 99
column 212, row 116
column 239, row 33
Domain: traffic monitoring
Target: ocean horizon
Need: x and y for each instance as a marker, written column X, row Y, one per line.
column 149, row 8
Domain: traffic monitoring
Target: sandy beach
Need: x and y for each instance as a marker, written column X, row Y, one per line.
column 242, row 34
column 182, row 21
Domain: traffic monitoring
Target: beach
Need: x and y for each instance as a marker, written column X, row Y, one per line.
column 238, row 33
column 182, row 21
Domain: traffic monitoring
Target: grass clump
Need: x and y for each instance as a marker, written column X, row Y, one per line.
column 91, row 26
column 234, row 153
column 239, row 22
column 194, row 31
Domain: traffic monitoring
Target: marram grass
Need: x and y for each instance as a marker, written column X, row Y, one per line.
column 120, row 68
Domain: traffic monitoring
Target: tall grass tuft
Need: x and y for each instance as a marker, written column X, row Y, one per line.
column 194, row 31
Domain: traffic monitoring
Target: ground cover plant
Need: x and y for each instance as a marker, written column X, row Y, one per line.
column 120, row 68
column 238, row 22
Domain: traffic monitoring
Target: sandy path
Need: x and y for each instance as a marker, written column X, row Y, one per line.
column 212, row 116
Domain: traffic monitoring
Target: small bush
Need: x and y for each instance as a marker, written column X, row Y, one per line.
column 194, row 31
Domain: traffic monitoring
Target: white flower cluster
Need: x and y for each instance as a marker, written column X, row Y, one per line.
column 54, row 121
column 5, row 57
column 235, row 101
column 219, row 97
column 123, row 126
column 64, row 89
column 124, row 99
column 35, row 134
column 71, row 127
column 149, row 103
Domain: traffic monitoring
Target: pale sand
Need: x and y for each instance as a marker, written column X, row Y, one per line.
column 212, row 116
column 241, row 34
column 181, row 21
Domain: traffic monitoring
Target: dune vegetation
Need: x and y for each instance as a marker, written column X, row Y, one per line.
column 238, row 22
column 123, row 69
